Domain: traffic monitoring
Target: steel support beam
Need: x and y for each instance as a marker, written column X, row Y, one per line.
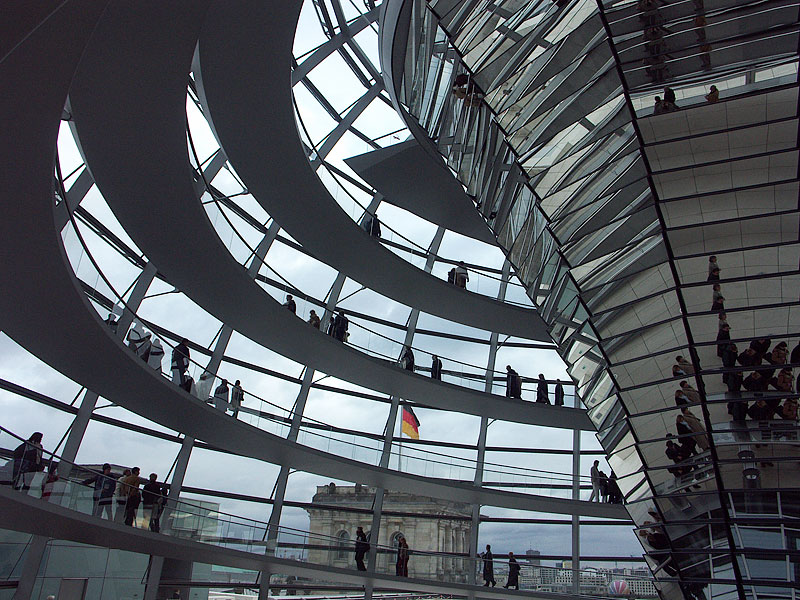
column 377, row 506
column 576, row 495
column 157, row 562
column 75, row 194
column 78, row 427
column 182, row 463
column 297, row 419
column 481, row 458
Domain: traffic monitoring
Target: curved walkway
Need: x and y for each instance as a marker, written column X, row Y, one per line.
column 27, row 514
column 43, row 308
column 148, row 183
column 254, row 121
column 433, row 193
column 49, row 315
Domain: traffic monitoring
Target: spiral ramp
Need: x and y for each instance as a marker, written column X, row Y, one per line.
column 122, row 73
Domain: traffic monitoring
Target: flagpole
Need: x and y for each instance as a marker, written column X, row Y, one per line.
column 400, row 440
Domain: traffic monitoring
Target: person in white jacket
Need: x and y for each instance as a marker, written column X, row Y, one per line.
column 156, row 356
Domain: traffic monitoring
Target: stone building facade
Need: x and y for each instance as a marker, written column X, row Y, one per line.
column 448, row 532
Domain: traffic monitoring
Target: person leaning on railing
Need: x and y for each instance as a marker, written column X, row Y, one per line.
column 27, row 461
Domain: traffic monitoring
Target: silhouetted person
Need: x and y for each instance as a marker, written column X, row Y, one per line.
column 221, row 396
column 401, row 566
column 27, row 461
column 594, row 475
column 737, row 409
column 789, row 410
column 677, row 455
column 290, row 304
column 697, row 428
column 513, row 384
column 755, row 382
column 723, row 337
column 49, row 483
column 133, row 497
column 513, row 572
column 713, row 94
column 112, row 322
column 685, row 365
column 603, row 486
column 237, row 398
column 541, row 390
column 488, row 567
column 464, row 88
column 717, row 299
column 138, row 340
column 760, row 411
column 731, row 379
column 779, row 354
column 783, row 382
column 461, row 275
column 749, row 358
column 691, row 394
column 436, row 368
column 614, row 493
column 559, row 393
column 313, row 319
column 338, row 326
column 122, row 498
column 152, row 499
column 372, row 225
column 794, row 357
column 180, row 362
column 407, row 359
column 761, row 347
column 104, row 486
column 362, row 547
column 685, row 431
column 713, row 269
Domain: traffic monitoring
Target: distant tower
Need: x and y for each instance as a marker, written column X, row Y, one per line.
column 532, row 556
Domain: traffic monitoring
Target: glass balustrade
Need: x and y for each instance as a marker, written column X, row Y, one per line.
column 45, row 476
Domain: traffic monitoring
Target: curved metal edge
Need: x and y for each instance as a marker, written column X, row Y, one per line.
column 26, row 514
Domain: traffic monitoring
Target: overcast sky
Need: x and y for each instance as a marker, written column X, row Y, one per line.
column 179, row 314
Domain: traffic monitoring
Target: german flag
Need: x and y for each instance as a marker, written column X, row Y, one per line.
column 410, row 423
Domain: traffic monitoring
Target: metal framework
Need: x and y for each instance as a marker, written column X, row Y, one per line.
column 611, row 215
column 249, row 235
